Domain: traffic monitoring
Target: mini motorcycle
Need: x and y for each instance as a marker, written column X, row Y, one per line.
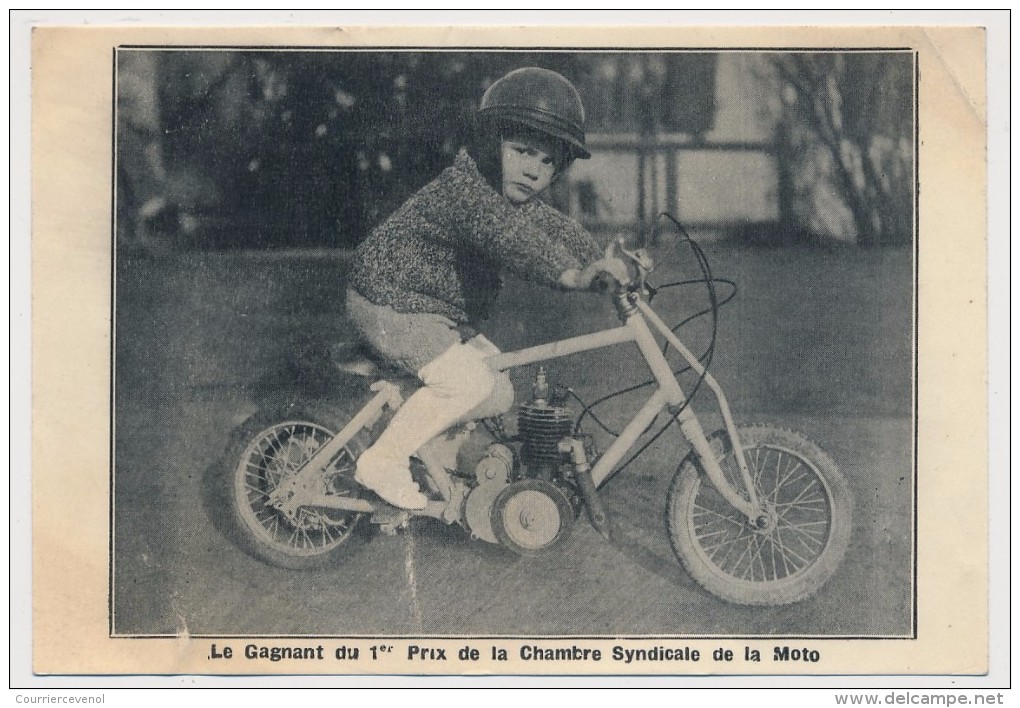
column 756, row 514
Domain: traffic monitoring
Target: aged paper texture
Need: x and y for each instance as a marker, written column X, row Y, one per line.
column 196, row 196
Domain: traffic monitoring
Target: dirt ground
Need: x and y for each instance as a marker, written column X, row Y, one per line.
column 816, row 340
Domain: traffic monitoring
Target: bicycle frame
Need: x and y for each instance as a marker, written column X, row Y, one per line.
column 636, row 315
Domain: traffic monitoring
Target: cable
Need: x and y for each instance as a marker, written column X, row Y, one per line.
column 588, row 411
column 677, row 372
column 706, row 358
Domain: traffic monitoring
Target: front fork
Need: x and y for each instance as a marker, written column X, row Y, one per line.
column 670, row 396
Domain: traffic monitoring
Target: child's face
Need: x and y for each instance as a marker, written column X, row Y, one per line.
column 528, row 167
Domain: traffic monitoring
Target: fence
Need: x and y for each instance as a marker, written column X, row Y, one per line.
column 715, row 185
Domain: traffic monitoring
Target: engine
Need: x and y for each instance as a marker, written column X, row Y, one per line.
column 528, row 506
column 541, row 424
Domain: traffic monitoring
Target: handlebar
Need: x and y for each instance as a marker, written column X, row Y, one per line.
column 627, row 268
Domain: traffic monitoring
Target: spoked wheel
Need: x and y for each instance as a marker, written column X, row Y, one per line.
column 530, row 515
column 791, row 549
column 267, row 453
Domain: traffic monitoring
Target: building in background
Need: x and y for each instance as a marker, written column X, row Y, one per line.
column 777, row 147
column 684, row 133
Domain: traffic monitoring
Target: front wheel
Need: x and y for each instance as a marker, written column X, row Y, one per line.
column 266, row 450
column 791, row 549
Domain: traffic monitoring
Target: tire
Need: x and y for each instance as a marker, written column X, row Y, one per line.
column 809, row 505
column 261, row 450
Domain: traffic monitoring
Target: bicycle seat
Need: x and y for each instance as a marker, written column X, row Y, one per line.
column 358, row 359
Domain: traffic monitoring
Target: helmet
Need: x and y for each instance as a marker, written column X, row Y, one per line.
column 540, row 99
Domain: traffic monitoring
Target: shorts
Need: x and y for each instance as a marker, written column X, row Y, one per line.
column 408, row 340
column 411, row 341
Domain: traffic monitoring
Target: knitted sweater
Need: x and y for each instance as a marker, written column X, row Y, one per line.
column 442, row 251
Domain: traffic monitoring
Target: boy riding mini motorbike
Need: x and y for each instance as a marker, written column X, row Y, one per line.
column 757, row 514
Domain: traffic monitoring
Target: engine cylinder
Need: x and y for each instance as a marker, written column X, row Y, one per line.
column 541, row 426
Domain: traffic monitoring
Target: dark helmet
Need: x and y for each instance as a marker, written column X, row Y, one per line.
column 540, row 99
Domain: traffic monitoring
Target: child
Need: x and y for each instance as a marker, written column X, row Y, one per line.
column 431, row 270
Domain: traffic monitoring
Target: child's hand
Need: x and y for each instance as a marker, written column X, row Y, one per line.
column 574, row 279
column 570, row 279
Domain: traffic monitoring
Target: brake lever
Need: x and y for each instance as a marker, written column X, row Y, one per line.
column 645, row 265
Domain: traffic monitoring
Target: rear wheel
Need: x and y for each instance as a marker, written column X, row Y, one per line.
column 792, row 548
column 263, row 454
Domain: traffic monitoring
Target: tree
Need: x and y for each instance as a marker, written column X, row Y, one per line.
column 846, row 144
column 277, row 148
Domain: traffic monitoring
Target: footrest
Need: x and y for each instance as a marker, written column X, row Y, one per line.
column 389, row 518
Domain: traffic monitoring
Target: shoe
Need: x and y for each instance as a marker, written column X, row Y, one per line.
column 390, row 481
